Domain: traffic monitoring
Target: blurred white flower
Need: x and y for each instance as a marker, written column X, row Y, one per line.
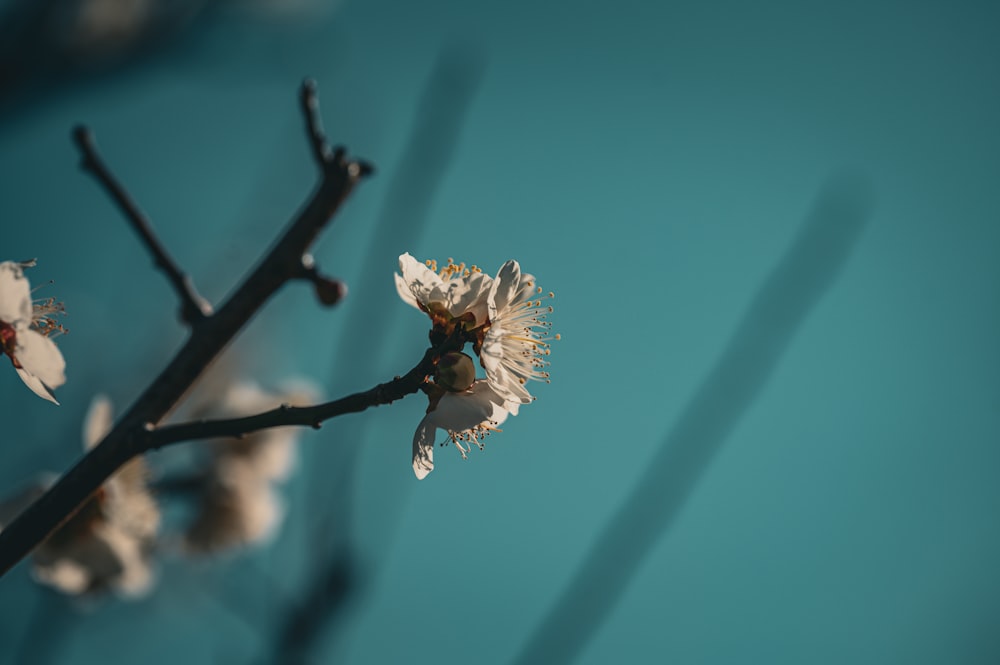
column 106, row 545
column 238, row 504
column 468, row 417
column 515, row 345
column 237, row 507
column 109, row 25
column 24, row 333
column 455, row 294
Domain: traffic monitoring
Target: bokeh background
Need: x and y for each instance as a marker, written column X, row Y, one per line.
column 649, row 162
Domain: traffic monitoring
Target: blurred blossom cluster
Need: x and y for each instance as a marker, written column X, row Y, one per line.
column 237, row 499
column 107, row 545
column 111, row 542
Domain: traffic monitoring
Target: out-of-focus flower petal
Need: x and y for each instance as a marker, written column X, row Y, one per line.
column 15, row 293
column 97, row 423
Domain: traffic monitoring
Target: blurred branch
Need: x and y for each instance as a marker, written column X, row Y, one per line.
column 333, row 542
column 194, row 308
column 793, row 288
column 303, row 624
column 282, row 263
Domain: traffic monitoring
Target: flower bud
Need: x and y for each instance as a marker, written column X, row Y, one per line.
column 455, row 372
column 329, row 291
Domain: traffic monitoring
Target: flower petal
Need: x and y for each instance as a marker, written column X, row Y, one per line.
column 504, row 287
column 470, row 294
column 423, row 448
column 36, row 385
column 39, row 355
column 97, row 422
column 422, row 282
column 404, row 291
column 505, row 382
column 15, row 293
column 458, row 412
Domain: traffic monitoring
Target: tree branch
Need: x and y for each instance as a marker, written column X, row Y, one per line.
column 306, row 416
column 205, row 341
column 314, row 128
column 194, row 308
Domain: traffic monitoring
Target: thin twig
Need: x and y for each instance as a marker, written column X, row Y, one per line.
column 305, row 416
column 206, row 340
column 194, row 308
column 314, row 128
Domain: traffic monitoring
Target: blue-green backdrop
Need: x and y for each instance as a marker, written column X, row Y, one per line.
column 650, row 163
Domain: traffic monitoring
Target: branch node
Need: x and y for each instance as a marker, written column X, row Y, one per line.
column 329, row 291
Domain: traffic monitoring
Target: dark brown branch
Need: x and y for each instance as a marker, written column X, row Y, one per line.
column 205, row 342
column 317, row 139
column 194, row 308
column 306, row 416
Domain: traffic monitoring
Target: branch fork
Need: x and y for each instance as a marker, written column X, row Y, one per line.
column 210, row 331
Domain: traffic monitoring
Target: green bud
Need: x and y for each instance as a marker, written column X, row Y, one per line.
column 455, row 372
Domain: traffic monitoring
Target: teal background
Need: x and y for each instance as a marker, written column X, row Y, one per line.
column 648, row 162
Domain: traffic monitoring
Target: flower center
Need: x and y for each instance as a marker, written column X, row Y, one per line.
column 451, row 270
column 8, row 341
column 43, row 313
column 476, row 435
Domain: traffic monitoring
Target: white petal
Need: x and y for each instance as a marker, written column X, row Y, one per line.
column 492, row 350
column 135, row 576
column 422, row 282
column 423, row 449
column 404, row 291
column 504, row 287
column 527, row 288
column 508, row 385
column 40, row 356
column 15, row 293
column 462, row 411
column 97, row 423
column 36, row 385
column 65, row 575
column 470, row 294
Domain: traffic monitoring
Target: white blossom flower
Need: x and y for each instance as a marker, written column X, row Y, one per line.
column 515, row 345
column 237, row 507
column 453, row 294
column 24, row 333
column 504, row 319
column 468, row 417
column 107, row 544
column 238, row 504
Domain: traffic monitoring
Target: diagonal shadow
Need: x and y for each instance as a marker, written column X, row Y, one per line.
column 337, row 576
column 797, row 283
